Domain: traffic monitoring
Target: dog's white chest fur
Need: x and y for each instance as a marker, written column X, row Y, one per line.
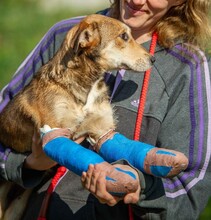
column 94, row 94
column 82, row 119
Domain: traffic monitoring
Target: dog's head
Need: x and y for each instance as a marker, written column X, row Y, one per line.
column 108, row 42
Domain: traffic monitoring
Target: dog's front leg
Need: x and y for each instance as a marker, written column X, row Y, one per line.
column 98, row 114
column 98, row 122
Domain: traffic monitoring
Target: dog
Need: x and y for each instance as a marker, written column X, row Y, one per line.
column 69, row 91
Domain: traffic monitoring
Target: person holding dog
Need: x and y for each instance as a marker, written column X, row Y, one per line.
column 176, row 114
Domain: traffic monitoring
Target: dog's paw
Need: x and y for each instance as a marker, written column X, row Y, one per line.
column 48, row 133
column 45, row 129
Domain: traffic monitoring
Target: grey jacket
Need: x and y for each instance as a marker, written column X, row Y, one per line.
column 176, row 116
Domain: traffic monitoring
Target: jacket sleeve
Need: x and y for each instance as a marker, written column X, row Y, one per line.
column 11, row 162
column 11, row 169
column 185, row 126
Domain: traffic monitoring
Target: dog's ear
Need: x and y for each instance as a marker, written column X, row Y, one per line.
column 86, row 37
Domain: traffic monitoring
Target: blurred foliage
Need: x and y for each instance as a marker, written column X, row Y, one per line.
column 206, row 214
column 22, row 24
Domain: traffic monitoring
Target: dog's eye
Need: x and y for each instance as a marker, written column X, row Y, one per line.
column 124, row 36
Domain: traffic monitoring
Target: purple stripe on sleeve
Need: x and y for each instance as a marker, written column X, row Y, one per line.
column 170, row 184
column 4, row 152
column 200, row 105
column 35, row 61
column 4, row 103
column 17, row 83
column 191, row 101
column 41, row 50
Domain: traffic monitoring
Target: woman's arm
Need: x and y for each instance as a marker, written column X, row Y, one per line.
column 185, row 126
column 13, row 164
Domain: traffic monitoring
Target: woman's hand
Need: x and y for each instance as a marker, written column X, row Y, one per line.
column 94, row 180
column 38, row 160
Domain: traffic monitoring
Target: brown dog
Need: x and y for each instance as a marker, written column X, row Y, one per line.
column 69, row 91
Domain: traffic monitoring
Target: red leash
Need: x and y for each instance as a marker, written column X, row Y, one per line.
column 54, row 182
column 62, row 170
column 142, row 102
column 143, row 95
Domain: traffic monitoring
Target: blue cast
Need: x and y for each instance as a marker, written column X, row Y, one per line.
column 77, row 159
column 71, row 155
column 120, row 147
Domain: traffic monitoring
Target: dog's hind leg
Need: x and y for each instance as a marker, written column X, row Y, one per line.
column 4, row 189
column 16, row 209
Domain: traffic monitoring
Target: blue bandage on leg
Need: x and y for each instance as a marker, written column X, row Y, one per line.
column 71, row 155
column 120, row 147
column 77, row 159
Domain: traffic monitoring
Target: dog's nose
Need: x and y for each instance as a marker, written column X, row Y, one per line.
column 152, row 59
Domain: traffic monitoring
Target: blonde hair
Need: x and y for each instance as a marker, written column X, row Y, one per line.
column 188, row 22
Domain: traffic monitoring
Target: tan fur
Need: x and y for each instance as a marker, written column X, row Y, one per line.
column 69, row 91
column 17, row 206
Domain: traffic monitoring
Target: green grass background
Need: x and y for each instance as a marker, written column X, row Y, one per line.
column 22, row 24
